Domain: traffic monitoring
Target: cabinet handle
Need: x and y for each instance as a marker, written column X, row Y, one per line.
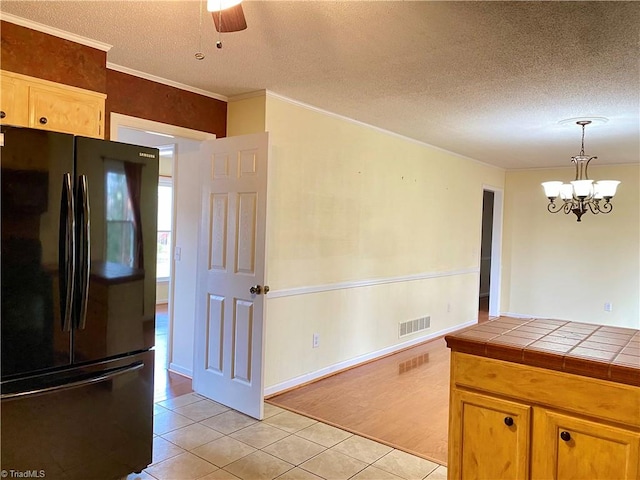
column 2, row 114
column 43, row 120
column 508, row 421
column 566, row 436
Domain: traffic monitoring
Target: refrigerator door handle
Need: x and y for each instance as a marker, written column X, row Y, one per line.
column 100, row 377
column 85, row 251
column 66, row 248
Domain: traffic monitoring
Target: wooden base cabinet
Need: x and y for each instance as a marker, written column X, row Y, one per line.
column 514, row 421
column 567, row 447
column 494, row 434
column 32, row 102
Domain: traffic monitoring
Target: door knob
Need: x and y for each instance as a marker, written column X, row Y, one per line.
column 43, row 120
column 255, row 290
column 566, row 436
column 508, row 421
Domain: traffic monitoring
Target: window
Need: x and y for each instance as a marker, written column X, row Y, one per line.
column 120, row 229
column 165, row 212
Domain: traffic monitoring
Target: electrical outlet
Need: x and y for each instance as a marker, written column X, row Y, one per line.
column 608, row 307
column 316, row 340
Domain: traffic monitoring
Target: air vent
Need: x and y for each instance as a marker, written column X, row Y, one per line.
column 413, row 326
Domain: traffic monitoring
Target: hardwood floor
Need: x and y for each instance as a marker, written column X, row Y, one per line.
column 401, row 400
column 166, row 384
column 483, row 310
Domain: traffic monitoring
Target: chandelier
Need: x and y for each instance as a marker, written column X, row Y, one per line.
column 581, row 195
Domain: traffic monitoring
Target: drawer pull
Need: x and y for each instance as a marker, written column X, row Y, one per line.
column 566, row 436
column 508, row 421
column 43, row 120
column 2, row 114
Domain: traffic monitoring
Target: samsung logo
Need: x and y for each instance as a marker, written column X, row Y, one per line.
column 148, row 155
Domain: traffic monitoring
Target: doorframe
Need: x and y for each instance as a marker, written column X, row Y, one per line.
column 496, row 249
column 119, row 120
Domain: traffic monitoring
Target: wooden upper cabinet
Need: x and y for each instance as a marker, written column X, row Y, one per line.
column 36, row 103
column 14, row 101
column 571, row 448
column 492, row 436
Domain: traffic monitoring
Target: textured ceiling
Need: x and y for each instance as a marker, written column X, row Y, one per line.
column 489, row 80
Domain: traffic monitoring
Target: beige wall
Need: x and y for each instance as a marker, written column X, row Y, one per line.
column 246, row 116
column 555, row 267
column 365, row 230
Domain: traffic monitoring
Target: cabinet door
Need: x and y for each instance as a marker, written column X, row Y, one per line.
column 13, row 101
column 52, row 108
column 488, row 437
column 566, row 447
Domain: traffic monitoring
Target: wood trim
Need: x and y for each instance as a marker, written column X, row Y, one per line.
column 289, row 292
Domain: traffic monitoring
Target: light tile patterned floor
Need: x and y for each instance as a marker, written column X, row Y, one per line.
column 196, row 438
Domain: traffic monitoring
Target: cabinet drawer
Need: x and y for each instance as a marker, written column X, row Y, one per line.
column 616, row 402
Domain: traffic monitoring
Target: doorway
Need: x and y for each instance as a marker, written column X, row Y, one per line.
column 177, row 314
column 490, row 254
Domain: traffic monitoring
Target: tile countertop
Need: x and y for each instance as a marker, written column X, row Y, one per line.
column 609, row 353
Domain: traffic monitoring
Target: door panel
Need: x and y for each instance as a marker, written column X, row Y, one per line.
column 215, row 334
column 218, row 232
column 243, row 329
column 246, row 236
column 494, row 435
column 571, row 448
column 122, row 184
column 34, row 275
column 229, row 318
column 102, row 413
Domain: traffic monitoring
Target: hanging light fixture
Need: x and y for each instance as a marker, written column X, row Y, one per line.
column 215, row 5
column 581, row 195
column 228, row 16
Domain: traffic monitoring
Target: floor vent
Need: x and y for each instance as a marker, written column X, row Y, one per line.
column 413, row 326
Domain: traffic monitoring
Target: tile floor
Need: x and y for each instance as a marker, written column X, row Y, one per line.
column 196, row 438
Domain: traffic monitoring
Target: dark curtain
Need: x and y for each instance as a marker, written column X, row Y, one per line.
column 133, row 174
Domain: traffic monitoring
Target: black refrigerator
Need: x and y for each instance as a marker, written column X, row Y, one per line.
column 78, row 283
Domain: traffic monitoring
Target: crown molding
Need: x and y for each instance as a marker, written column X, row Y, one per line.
column 248, row 95
column 56, row 32
column 164, row 81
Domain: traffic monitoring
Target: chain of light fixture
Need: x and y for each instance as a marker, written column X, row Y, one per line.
column 581, row 195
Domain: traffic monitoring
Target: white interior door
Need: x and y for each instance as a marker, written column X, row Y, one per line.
column 228, row 361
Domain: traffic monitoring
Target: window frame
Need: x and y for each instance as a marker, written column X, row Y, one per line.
column 166, row 181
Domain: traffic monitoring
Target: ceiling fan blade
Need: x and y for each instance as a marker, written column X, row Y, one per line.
column 230, row 19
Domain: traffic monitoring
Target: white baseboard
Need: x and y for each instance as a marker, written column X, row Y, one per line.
column 516, row 315
column 181, row 370
column 302, row 379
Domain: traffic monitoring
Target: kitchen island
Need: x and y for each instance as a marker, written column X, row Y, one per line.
column 544, row 399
